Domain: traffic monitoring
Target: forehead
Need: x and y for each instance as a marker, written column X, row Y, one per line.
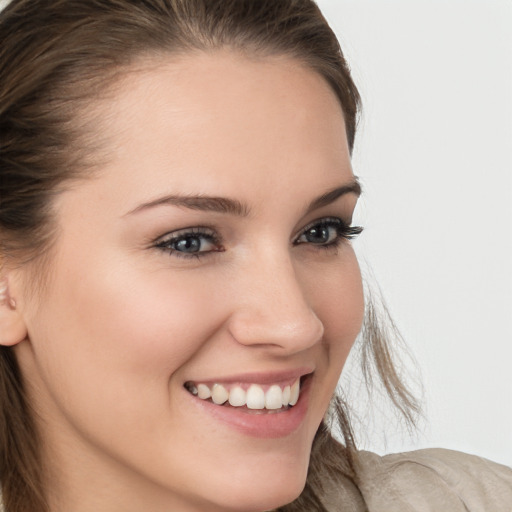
column 203, row 123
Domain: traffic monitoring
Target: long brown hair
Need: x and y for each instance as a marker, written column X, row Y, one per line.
column 59, row 56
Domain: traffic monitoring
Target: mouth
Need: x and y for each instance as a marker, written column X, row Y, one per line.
column 251, row 397
column 259, row 405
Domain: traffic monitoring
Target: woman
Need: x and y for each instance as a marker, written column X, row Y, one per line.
column 179, row 292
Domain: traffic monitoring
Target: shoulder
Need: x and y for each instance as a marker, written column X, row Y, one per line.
column 433, row 480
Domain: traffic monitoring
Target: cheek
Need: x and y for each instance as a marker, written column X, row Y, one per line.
column 113, row 332
column 337, row 298
column 340, row 302
column 156, row 323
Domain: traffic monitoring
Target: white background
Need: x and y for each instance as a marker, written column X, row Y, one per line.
column 433, row 153
column 434, row 157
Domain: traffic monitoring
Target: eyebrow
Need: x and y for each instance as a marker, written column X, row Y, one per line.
column 234, row 207
column 353, row 187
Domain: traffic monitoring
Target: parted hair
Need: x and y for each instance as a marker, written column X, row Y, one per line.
column 59, row 57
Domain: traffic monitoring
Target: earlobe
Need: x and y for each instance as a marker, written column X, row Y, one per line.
column 12, row 325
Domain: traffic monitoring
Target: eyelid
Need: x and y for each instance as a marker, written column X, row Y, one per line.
column 322, row 220
column 164, row 243
column 344, row 232
column 193, row 230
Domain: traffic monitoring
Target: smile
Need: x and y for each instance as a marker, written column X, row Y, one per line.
column 273, row 397
column 261, row 405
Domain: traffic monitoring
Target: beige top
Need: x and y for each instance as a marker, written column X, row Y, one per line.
column 432, row 480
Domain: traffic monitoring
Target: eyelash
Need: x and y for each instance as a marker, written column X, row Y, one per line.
column 343, row 231
column 169, row 241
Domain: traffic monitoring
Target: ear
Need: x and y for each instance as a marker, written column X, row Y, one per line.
column 12, row 325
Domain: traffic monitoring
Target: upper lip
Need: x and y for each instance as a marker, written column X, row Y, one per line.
column 272, row 377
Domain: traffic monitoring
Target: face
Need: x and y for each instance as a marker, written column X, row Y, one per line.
column 211, row 255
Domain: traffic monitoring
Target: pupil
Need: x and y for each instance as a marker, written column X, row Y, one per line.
column 188, row 245
column 320, row 234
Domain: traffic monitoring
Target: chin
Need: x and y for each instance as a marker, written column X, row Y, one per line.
column 258, row 489
column 260, row 497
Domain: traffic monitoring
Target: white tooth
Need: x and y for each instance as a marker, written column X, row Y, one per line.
column 203, row 391
column 255, row 397
column 219, row 394
column 286, row 395
column 274, row 397
column 294, row 392
column 237, row 397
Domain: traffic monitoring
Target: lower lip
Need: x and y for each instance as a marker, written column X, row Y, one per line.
column 259, row 423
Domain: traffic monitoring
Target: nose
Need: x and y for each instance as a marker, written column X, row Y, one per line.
column 271, row 306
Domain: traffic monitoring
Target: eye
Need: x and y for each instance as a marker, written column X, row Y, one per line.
column 320, row 235
column 189, row 243
column 328, row 232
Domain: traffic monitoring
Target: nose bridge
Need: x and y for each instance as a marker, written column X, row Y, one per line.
column 275, row 309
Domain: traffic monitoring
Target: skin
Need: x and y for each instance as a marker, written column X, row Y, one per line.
column 121, row 324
